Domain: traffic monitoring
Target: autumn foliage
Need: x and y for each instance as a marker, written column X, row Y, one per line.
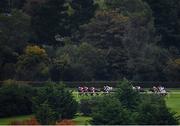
column 35, row 50
column 33, row 121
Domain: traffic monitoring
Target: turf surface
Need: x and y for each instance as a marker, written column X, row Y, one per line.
column 173, row 102
column 82, row 120
column 7, row 121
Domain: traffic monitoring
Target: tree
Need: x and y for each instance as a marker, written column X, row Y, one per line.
column 166, row 14
column 139, row 41
column 15, row 30
column 140, row 44
column 31, row 5
column 15, row 99
column 45, row 115
column 153, row 111
column 127, row 106
column 14, row 35
column 58, row 99
column 6, row 6
column 172, row 69
column 129, row 42
column 101, row 4
column 128, row 97
column 33, row 65
column 105, row 30
column 83, row 62
column 93, row 60
column 129, row 7
column 50, row 21
column 82, row 12
column 109, row 111
column 16, row 4
column 86, row 105
column 60, row 18
column 60, row 68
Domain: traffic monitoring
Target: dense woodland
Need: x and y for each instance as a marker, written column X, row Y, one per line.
column 84, row 40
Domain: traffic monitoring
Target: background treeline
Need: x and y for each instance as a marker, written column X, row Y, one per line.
column 76, row 40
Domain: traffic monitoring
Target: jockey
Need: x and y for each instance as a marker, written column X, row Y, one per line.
column 110, row 88
column 106, row 89
column 138, row 88
column 85, row 89
column 92, row 89
column 162, row 90
column 80, row 89
column 134, row 88
column 155, row 89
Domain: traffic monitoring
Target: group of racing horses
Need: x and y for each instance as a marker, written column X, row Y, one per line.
column 92, row 90
column 160, row 90
column 84, row 90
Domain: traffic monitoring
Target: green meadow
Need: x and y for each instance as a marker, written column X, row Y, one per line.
column 173, row 102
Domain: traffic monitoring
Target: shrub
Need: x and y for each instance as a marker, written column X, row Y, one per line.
column 45, row 115
column 59, row 100
column 128, row 97
column 153, row 111
column 16, row 100
column 129, row 107
column 109, row 111
column 86, row 106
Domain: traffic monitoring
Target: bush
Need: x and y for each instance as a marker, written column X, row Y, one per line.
column 86, row 106
column 128, row 97
column 129, row 107
column 59, row 100
column 45, row 115
column 153, row 111
column 109, row 111
column 16, row 100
